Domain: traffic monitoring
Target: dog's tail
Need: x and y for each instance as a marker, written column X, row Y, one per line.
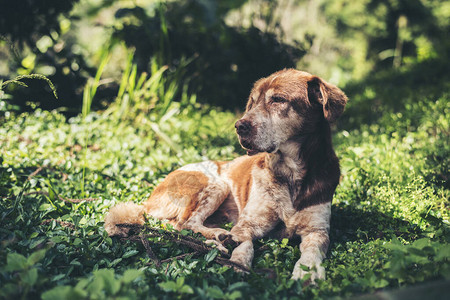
column 123, row 213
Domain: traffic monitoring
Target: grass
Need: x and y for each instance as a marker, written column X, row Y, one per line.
column 59, row 177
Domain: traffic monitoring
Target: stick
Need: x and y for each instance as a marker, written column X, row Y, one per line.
column 62, row 223
column 197, row 245
column 150, row 252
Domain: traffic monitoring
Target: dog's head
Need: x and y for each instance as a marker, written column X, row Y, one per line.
column 285, row 105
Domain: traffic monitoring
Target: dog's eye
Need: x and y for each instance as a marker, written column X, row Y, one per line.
column 278, row 99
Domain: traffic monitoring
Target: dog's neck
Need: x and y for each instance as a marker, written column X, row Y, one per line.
column 286, row 165
column 297, row 156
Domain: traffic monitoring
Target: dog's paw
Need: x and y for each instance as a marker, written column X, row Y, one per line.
column 308, row 271
column 220, row 233
column 243, row 256
column 227, row 239
column 217, row 245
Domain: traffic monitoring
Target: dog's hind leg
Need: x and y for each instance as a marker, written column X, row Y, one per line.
column 187, row 198
column 209, row 200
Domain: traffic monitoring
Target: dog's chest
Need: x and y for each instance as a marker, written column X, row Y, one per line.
column 268, row 196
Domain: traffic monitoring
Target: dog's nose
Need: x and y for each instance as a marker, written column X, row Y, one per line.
column 243, row 127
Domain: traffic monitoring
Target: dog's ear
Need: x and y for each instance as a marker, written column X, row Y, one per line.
column 329, row 96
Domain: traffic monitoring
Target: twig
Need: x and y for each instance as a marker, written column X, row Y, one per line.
column 150, row 252
column 178, row 257
column 38, row 170
column 227, row 262
column 193, row 243
column 35, row 172
column 62, row 223
column 197, row 245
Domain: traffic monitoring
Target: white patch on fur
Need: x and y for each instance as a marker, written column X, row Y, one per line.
column 255, row 95
column 269, row 94
column 207, row 167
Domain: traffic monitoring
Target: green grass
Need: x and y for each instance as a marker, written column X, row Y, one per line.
column 390, row 213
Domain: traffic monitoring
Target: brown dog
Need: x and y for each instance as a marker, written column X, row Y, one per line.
column 288, row 177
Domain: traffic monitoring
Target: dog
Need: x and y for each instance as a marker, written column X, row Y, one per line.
column 285, row 182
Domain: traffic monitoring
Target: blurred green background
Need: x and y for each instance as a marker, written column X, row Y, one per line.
column 217, row 49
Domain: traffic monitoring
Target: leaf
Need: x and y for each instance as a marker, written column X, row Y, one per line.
column 168, row 286
column 305, row 268
column 57, row 293
column 211, row 255
column 111, row 284
column 443, row 253
column 180, row 281
column 45, row 206
column 58, row 277
column 15, row 262
column 114, row 262
column 396, row 246
column 35, row 257
column 33, row 235
column 130, row 275
column 29, row 277
column 235, row 295
column 421, row 243
column 381, row 283
column 130, row 253
column 58, row 239
column 184, row 232
column 75, row 262
column 238, row 285
column 96, row 286
column 37, row 242
column 82, row 284
column 186, row 290
column 417, row 252
column 215, row 292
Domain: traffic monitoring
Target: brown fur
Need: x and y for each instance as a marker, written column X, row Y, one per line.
column 287, row 180
column 181, row 188
column 241, row 175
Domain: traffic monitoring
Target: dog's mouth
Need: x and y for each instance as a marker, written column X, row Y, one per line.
column 252, row 150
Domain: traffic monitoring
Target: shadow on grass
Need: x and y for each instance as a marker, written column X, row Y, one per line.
column 349, row 224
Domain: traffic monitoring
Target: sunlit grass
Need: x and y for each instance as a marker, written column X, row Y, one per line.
column 393, row 192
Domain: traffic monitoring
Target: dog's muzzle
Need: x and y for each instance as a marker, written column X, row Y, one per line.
column 246, row 132
column 243, row 127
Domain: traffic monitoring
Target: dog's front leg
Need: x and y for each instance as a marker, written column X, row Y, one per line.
column 243, row 254
column 313, row 248
column 249, row 228
column 312, row 224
